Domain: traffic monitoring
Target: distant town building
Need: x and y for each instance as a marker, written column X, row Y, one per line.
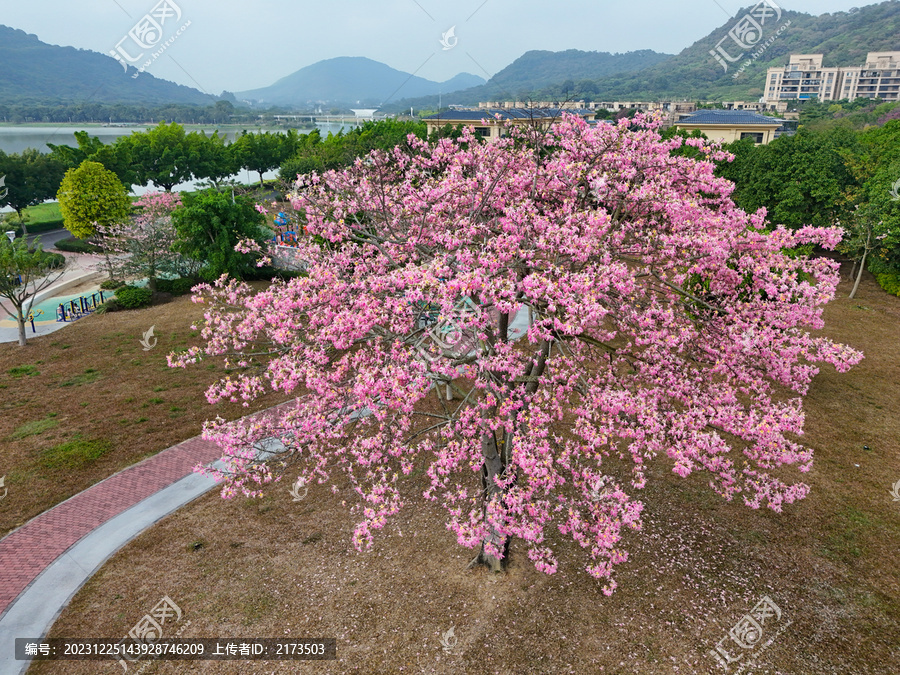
column 805, row 78
column 672, row 111
column 488, row 123
column 728, row 126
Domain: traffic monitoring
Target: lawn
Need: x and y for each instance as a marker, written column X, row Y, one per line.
column 41, row 218
column 276, row 567
column 80, row 404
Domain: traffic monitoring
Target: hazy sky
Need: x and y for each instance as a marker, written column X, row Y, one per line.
column 238, row 45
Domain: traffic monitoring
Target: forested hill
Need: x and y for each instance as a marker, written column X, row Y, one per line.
column 843, row 37
column 571, row 70
column 538, row 69
column 33, row 71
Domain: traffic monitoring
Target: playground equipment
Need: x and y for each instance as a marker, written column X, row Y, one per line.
column 78, row 307
column 281, row 220
column 31, row 316
column 288, row 238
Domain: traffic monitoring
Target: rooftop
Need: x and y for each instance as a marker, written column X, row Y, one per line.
column 729, row 117
column 506, row 114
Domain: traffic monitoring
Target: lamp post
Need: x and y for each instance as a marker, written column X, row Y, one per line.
column 11, row 234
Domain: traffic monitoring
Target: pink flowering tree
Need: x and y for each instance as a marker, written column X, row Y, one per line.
column 591, row 302
column 143, row 247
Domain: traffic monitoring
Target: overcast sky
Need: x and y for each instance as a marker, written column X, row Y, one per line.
column 238, row 45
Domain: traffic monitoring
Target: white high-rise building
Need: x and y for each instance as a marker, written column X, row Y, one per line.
column 805, row 78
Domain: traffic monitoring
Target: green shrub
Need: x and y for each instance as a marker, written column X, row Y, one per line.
column 109, row 306
column 54, row 260
column 178, row 286
column 75, row 245
column 889, row 282
column 112, row 284
column 133, row 297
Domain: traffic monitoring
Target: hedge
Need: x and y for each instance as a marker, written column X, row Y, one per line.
column 889, row 282
column 178, row 286
column 75, row 245
column 133, row 297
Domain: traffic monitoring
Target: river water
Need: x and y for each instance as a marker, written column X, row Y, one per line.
column 17, row 138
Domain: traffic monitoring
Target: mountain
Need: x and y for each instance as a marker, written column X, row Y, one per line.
column 843, row 37
column 537, row 69
column 348, row 79
column 34, row 71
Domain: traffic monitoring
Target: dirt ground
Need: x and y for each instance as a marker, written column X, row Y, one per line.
column 279, row 568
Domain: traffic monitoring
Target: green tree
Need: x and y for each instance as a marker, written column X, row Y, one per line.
column 92, row 195
column 30, row 178
column 801, row 180
column 876, row 167
column 116, row 156
column 212, row 158
column 23, row 274
column 261, row 152
column 161, row 155
column 210, row 224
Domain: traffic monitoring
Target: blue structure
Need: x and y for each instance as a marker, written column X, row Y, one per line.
column 79, row 307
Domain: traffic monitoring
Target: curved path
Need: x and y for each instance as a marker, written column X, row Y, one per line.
column 44, row 562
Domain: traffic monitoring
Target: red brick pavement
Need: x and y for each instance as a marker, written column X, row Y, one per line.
column 27, row 551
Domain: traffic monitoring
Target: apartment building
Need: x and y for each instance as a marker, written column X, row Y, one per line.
column 806, row 78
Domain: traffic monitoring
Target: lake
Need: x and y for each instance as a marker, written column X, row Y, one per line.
column 17, row 138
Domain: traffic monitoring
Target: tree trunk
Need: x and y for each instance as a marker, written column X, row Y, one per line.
column 492, row 468
column 496, row 462
column 862, row 267
column 22, row 221
column 20, row 320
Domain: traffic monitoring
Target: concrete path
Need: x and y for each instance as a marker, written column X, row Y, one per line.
column 49, row 239
column 44, row 562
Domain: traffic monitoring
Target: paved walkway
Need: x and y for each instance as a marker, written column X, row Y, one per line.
column 45, row 562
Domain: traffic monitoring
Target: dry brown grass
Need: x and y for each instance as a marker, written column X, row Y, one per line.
column 274, row 567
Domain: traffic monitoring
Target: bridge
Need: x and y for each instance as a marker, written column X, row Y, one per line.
column 359, row 116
